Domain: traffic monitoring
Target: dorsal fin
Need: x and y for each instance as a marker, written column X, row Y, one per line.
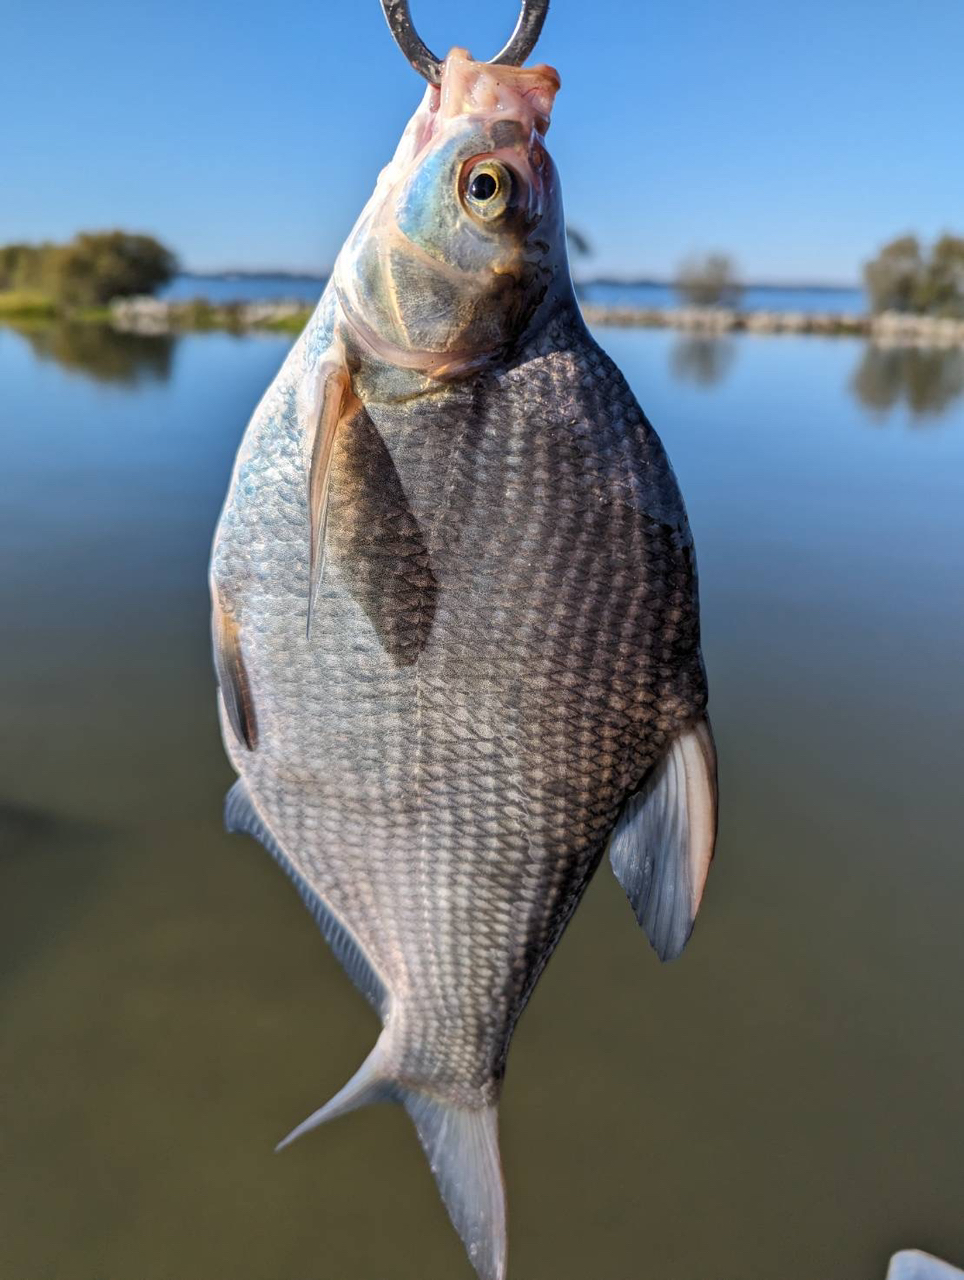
column 663, row 843
column 232, row 676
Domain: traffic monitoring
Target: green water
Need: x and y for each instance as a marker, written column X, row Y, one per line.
column 785, row 1103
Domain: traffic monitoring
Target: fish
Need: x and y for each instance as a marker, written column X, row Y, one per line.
column 456, row 625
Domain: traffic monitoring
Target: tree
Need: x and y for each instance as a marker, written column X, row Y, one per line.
column 904, row 278
column 21, row 266
column 579, row 247
column 98, row 266
column 945, row 277
column 709, row 280
column 578, row 243
column 895, row 279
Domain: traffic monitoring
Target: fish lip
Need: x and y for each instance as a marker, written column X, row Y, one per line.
column 478, row 88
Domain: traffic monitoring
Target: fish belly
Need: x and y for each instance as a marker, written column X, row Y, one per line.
column 505, row 640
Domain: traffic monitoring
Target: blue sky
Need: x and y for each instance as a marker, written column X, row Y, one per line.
column 796, row 136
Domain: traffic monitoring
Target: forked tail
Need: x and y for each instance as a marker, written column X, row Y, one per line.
column 462, row 1145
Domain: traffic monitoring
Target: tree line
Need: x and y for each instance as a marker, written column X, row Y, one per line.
column 906, row 276
column 89, row 270
column 97, row 266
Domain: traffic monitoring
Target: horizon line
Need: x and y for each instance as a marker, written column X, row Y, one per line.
column 288, row 273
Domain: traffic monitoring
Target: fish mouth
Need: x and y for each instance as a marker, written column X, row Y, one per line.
column 482, row 90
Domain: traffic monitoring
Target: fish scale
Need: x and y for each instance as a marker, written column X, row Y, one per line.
column 500, row 671
column 515, row 634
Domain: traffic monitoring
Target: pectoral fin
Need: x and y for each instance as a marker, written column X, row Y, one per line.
column 232, row 677
column 324, row 408
column 663, row 843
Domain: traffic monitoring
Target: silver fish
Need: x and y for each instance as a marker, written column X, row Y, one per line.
column 456, row 627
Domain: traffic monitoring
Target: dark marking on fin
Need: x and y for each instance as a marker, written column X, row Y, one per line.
column 332, row 395
column 241, row 815
column 663, row 843
column 232, row 676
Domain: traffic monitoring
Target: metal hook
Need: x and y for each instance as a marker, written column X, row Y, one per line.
column 519, row 46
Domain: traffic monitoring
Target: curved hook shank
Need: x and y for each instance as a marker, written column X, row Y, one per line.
column 532, row 16
column 520, row 44
column 408, row 40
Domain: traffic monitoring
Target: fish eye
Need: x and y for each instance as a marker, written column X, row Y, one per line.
column 487, row 189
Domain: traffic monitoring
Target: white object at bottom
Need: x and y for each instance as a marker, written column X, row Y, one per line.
column 912, row 1264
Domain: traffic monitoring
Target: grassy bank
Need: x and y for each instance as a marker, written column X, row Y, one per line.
column 148, row 315
column 26, row 304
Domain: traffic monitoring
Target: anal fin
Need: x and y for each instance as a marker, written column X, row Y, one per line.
column 240, row 814
column 663, row 843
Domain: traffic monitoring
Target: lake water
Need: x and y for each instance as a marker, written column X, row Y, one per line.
column 784, row 1103
column 307, row 289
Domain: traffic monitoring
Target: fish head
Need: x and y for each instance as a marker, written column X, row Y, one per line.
column 464, row 236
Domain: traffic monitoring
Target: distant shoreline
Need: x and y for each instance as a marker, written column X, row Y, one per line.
column 892, row 328
column 314, row 276
column 603, row 281
column 151, row 315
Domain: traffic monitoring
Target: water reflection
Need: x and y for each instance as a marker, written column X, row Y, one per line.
column 167, row 1006
column 702, row 360
column 72, row 856
column 103, row 353
column 925, row 379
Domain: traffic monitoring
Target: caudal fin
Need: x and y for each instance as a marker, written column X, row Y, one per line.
column 368, row 1084
column 462, row 1145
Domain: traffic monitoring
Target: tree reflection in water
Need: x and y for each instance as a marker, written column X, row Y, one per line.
column 925, row 379
column 102, row 353
column 702, row 359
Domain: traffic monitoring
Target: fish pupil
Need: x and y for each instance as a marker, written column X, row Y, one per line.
column 483, row 186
